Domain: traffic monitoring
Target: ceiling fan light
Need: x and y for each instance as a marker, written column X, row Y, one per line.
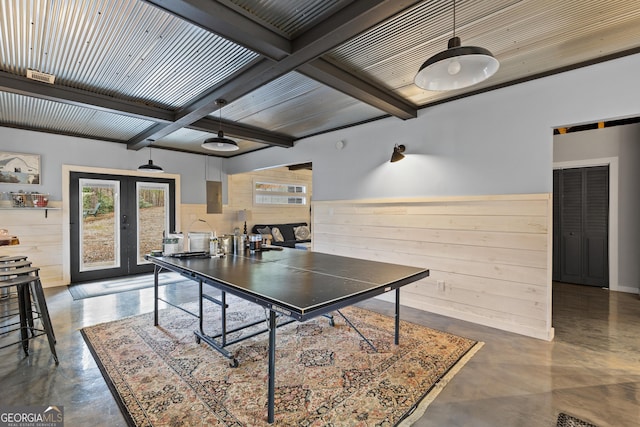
column 220, row 143
column 456, row 68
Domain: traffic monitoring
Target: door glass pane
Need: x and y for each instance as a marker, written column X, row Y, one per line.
column 100, row 225
column 153, row 217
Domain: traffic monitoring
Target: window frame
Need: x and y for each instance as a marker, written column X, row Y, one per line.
column 302, row 195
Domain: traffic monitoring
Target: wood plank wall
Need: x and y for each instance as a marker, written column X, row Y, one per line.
column 489, row 257
column 241, row 197
column 40, row 239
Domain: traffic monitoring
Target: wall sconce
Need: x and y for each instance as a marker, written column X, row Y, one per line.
column 397, row 153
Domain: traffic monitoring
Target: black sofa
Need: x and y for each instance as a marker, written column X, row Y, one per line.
column 286, row 231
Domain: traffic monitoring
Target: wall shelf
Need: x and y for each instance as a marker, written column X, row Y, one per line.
column 46, row 209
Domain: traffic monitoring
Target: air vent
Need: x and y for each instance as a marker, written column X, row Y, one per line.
column 41, row 77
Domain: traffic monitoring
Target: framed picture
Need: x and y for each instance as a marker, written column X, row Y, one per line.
column 19, row 168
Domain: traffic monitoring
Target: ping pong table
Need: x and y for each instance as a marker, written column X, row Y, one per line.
column 293, row 283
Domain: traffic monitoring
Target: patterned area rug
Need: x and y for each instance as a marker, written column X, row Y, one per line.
column 324, row 375
column 566, row 420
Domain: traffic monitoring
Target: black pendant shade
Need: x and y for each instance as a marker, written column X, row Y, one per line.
column 150, row 167
column 457, row 67
column 220, row 142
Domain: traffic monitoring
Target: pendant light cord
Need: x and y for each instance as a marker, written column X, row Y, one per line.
column 221, row 103
column 454, row 18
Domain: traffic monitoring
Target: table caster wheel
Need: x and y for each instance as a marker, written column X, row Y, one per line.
column 198, row 340
column 234, row 363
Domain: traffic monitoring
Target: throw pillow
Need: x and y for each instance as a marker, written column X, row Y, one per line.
column 277, row 235
column 265, row 230
column 302, row 232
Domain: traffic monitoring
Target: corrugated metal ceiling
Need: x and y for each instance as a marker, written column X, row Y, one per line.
column 133, row 72
column 120, row 48
column 278, row 106
column 34, row 113
column 288, row 17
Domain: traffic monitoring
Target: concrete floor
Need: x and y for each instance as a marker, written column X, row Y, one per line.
column 591, row 370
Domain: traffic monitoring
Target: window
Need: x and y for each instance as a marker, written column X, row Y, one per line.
column 273, row 193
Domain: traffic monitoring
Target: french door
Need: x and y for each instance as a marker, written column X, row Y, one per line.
column 115, row 221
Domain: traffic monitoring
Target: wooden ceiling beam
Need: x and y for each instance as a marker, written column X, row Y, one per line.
column 351, row 20
column 81, row 98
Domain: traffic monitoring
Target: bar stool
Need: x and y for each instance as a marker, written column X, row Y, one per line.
column 9, row 263
column 31, row 306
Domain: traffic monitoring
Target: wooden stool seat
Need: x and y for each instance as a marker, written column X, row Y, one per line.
column 21, row 271
column 6, row 259
column 15, row 264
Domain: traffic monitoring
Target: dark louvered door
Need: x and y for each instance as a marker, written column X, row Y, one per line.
column 571, row 225
column 557, row 259
column 596, row 226
column 582, row 223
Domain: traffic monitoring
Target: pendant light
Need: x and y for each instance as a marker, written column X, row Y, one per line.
column 220, row 143
column 150, row 167
column 457, row 67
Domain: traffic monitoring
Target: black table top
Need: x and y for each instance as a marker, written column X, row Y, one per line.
column 301, row 284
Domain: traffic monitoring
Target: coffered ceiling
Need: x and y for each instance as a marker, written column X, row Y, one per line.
column 146, row 73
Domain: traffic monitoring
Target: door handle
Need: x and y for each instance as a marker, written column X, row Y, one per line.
column 125, row 224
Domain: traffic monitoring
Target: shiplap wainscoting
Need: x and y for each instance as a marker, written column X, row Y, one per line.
column 489, row 257
column 40, row 239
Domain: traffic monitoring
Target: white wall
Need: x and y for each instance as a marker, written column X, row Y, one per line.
column 621, row 143
column 56, row 150
column 499, row 142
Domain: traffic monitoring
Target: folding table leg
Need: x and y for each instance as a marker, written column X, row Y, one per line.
column 272, row 366
column 397, row 334
column 365, row 339
column 156, row 271
column 200, row 308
